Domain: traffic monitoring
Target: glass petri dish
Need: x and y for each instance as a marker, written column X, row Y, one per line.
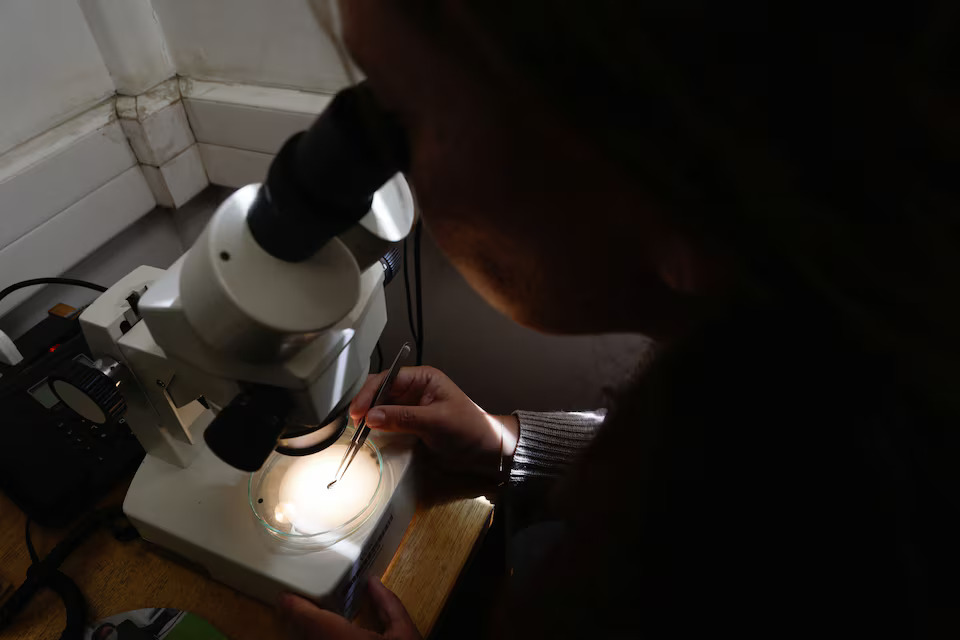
column 290, row 498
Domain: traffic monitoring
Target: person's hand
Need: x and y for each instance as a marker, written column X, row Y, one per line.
column 425, row 402
column 310, row 622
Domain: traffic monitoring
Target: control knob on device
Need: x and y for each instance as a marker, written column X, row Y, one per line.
column 91, row 391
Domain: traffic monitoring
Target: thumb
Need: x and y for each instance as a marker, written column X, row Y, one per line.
column 397, row 624
column 313, row 623
column 405, row 419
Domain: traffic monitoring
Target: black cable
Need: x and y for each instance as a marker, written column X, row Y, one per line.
column 418, row 336
column 34, row 558
column 46, row 573
column 73, row 600
column 35, row 281
column 74, row 604
column 406, row 287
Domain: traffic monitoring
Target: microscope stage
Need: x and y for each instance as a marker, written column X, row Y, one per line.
column 202, row 513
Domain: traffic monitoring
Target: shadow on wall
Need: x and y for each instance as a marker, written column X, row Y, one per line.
column 501, row 365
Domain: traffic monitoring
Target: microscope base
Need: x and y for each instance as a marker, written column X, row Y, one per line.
column 202, row 513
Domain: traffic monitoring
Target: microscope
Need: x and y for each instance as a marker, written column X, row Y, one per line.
column 235, row 368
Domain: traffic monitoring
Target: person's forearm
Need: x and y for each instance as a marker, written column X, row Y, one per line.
column 543, row 444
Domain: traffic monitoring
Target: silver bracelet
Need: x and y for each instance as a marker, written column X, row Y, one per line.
column 501, row 444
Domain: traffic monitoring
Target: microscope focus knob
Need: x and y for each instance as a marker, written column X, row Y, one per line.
column 92, row 392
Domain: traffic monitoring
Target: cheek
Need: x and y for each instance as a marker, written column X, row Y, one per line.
column 454, row 164
column 469, row 203
column 472, row 177
column 492, row 203
column 485, row 261
column 497, row 261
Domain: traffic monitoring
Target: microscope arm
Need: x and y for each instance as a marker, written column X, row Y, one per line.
column 273, row 313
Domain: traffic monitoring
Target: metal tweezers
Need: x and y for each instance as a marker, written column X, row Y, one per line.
column 360, row 435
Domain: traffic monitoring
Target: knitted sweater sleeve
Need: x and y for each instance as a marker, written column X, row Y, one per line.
column 550, row 441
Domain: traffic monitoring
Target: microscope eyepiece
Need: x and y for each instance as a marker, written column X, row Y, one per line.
column 322, row 181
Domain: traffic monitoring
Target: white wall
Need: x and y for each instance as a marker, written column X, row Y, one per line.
column 130, row 41
column 266, row 42
column 153, row 240
column 50, row 67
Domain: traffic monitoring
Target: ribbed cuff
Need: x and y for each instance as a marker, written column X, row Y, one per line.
column 550, row 441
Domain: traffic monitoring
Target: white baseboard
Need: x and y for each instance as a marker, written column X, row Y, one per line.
column 234, row 168
column 268, row 98
column 241, row 127
column 44, row 176
column 74, row 233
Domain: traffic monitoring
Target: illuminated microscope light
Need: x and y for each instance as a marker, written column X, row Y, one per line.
column 310, row 507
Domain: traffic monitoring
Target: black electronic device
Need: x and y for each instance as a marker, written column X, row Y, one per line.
column 54, row 463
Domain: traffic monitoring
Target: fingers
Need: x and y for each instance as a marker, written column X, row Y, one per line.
column 313, row 623
column 358, row 406
column 397, row 624
column 404, row 419
column 410, row 386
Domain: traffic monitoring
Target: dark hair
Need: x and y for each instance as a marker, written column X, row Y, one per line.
column 791, row 464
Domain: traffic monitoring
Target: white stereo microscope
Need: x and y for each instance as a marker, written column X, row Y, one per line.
column 243, row 357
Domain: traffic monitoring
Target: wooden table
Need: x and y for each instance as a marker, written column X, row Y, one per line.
column 120, row 576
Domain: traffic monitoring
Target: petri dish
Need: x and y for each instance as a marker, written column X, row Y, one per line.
column 290, row 498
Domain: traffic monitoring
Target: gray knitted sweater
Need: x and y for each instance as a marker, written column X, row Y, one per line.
column 550, row 441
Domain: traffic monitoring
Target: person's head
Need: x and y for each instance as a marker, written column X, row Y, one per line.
column 532, row 211
column 609, row 165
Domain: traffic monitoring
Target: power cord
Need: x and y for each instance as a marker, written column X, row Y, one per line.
column 46, row 573
column 35, row 281
column 379, row 351
column 34, row 558
column 406, row 288
column 416, row 326
column 416, row 269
